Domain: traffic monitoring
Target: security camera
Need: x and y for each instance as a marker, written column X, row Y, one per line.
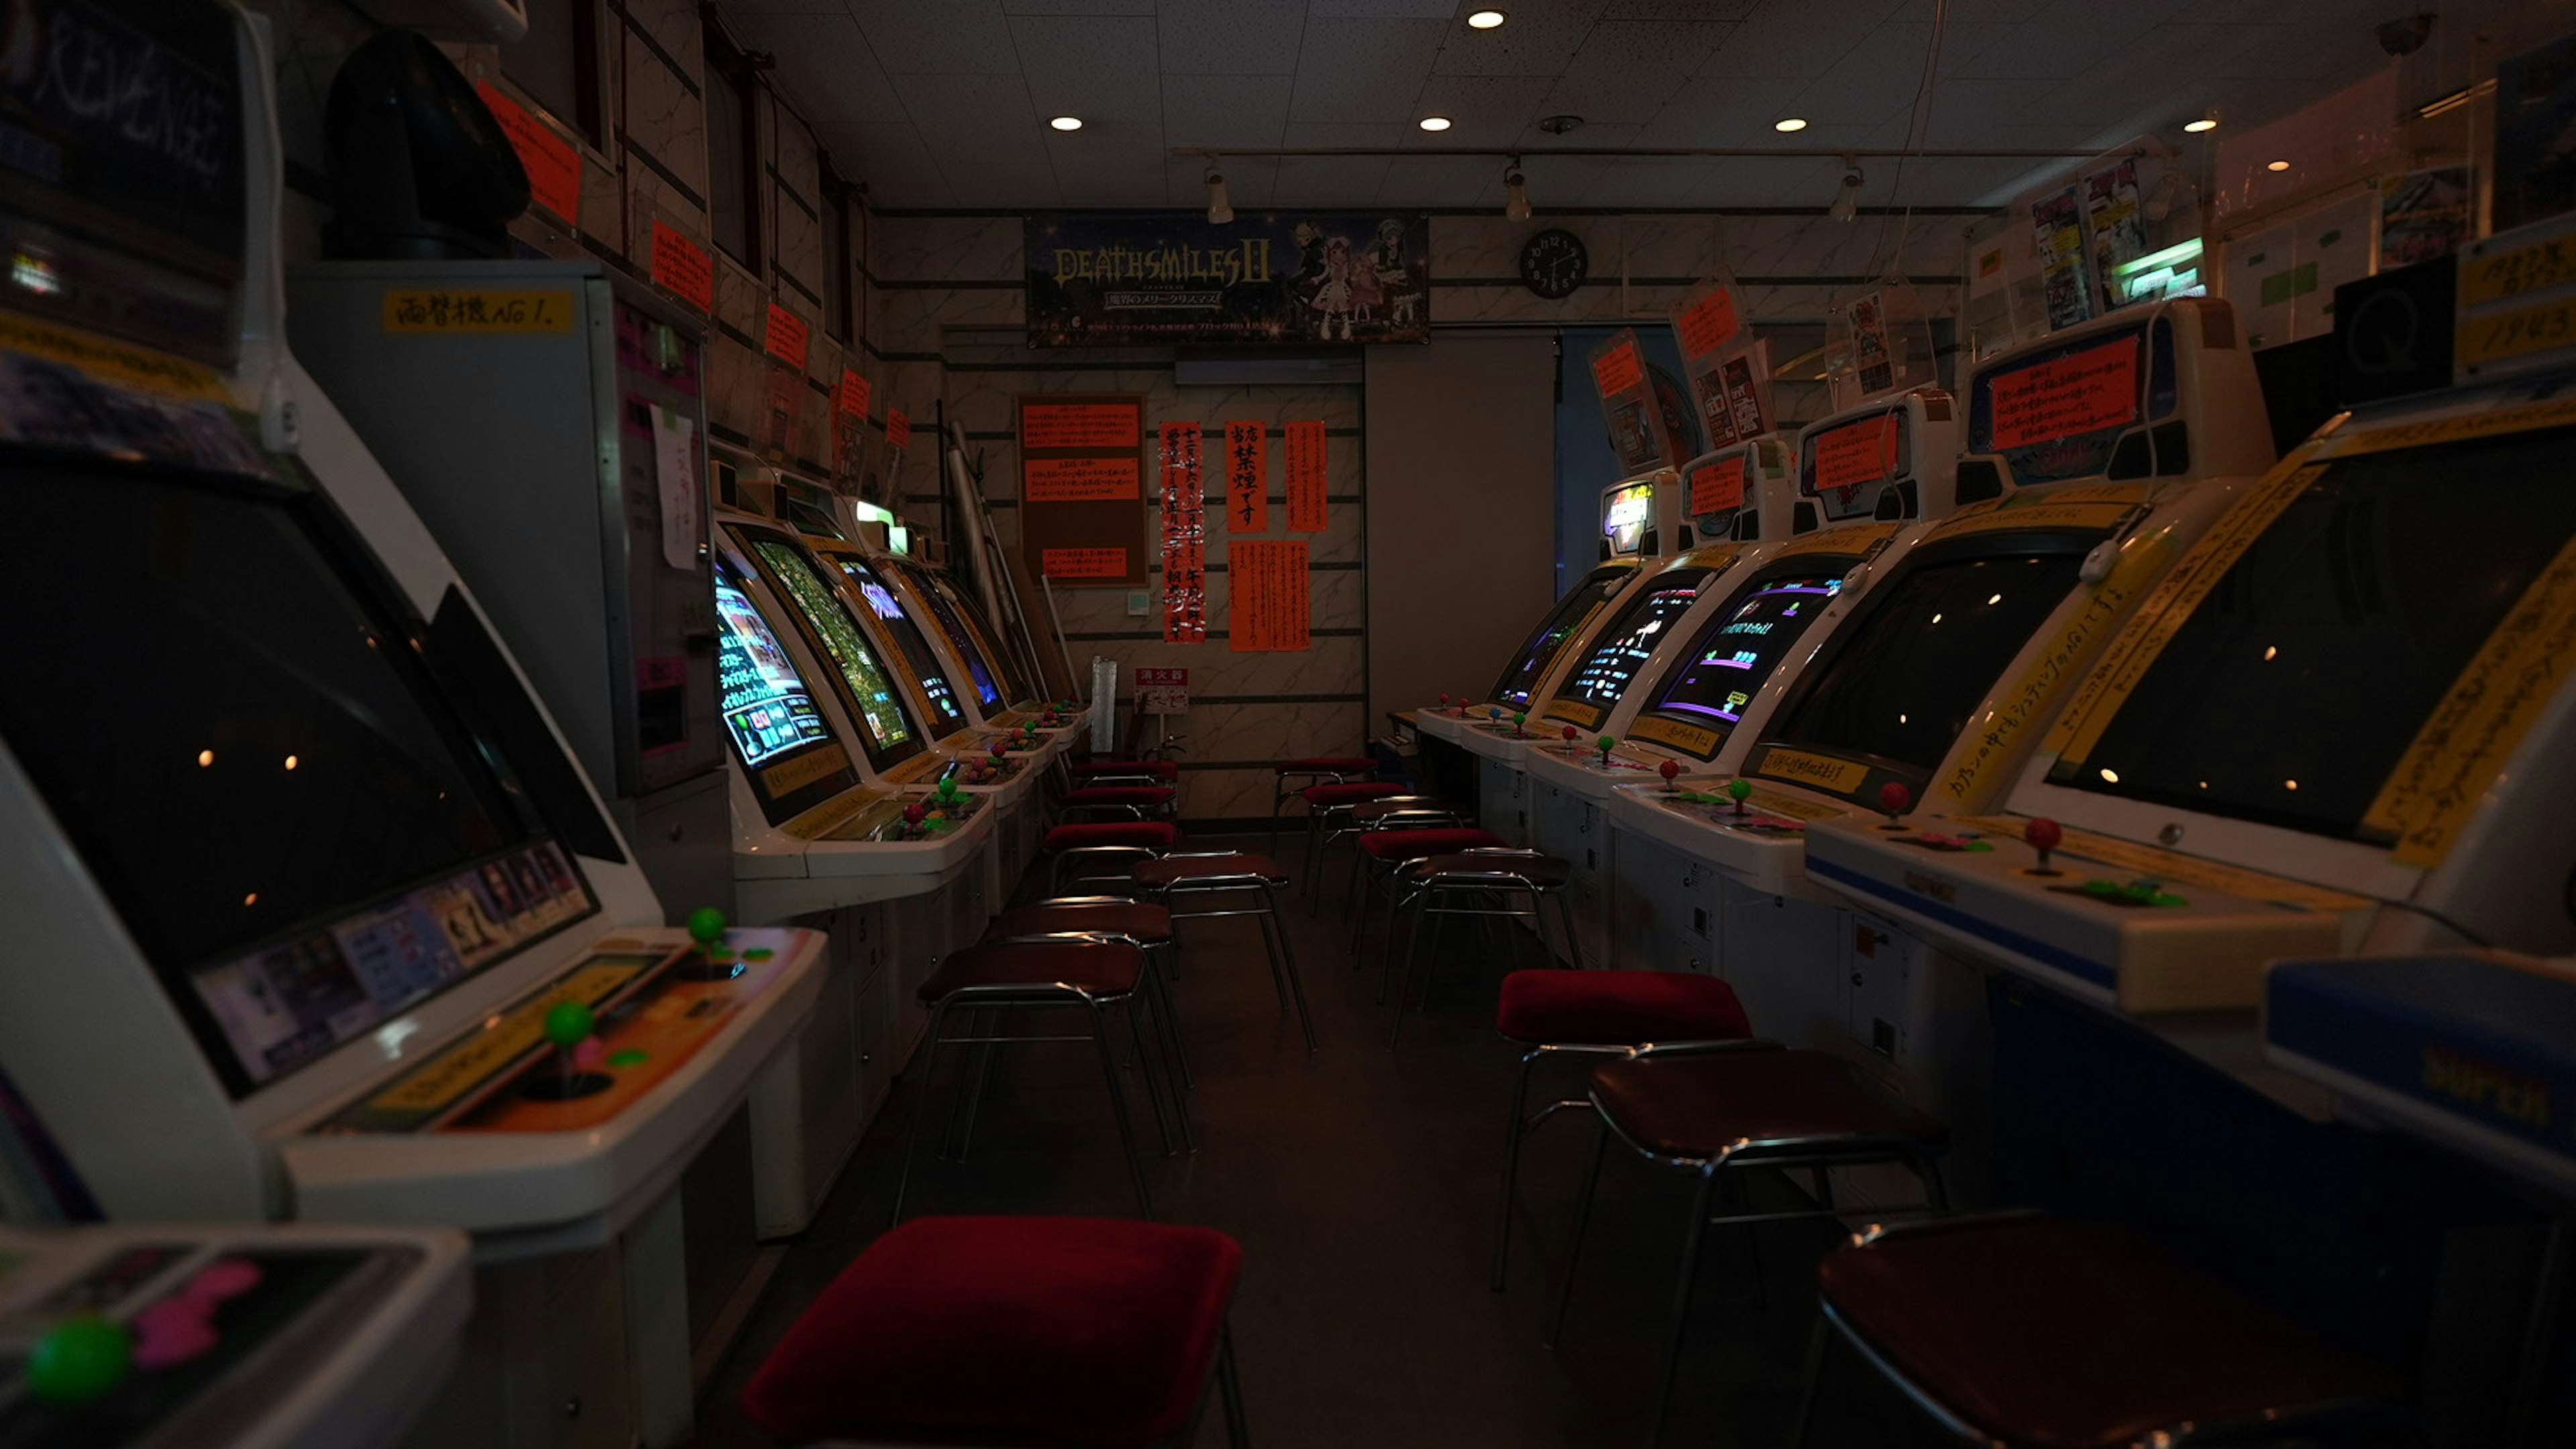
column 2407, row 35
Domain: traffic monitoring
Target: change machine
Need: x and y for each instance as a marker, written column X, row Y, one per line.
column 315, row 914
column 1641, row 521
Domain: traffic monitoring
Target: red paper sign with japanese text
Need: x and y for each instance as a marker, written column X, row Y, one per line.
column 1083, row 563
column 1707, row 322
column 1619, row 368
column 898, row 429
column 787, row 337
column 1267, row 582
column 553, row 164
column 1184, row 485
column 1080, row 480
column 853, row 396
column 1856, row 453
column 683, row 268
column 1100, row 426
column 1247, row 478
column 1306, row 477
column 2067, row 397
column 1630, row 409
column 1719, row 487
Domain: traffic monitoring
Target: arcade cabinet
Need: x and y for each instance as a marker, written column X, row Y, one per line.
column 317, row 915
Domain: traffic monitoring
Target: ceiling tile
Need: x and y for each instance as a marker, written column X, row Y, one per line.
column 938, row 37
column 1627, row 69
column 1350, row 181
column 1382, row 9
column 1679, row 9
column 1233, row 37
column 1770, row 181
column 1302, row 134
column 1363, row 70
column 737, row 8
column 1795, row 38
column 1648, row 181
column 1607, row 134
column 1100, row 68
column 1435, row 180
column 892, row 160
column 1226, row 110
column 1872, row 81
column 1720, row 111
column 1536, row 40
column 1021, row 182
column 1077, row 7
column 2060, row 41
column 983, row 118
column 824, row 64
column 1483, row 110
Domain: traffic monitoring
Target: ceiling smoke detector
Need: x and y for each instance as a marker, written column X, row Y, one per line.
column 1559, row 125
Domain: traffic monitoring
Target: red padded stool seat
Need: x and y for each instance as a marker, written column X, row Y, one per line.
column 1150, row 834
column 1173, row 869
column 1143, row 797
column 1150, row 925
column 1098, row 968
column 1390, row 845
column 1090, row 1333
column 2046, row 1331
column 1325, row 765
column 1159, row 769
column 1325, row 797
column 1618, row 1008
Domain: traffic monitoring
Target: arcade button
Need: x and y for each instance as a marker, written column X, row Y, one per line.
column 628, row 1058
column 1895, row 799
column 1935, row 840
column 2043, row 835
column 2128, row 895
column 79, row 1359
column 590, row 1054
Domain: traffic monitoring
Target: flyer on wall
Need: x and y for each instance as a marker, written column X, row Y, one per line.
column 2057, row 227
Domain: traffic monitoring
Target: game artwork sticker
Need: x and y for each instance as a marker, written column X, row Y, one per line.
column 1286, row 279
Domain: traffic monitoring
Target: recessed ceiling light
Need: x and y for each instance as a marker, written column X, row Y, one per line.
column 1485, row 19
column 2205, row 123
column 1789, row 123
column 1067, row 123
column 1435, row 123
column 2276, row 165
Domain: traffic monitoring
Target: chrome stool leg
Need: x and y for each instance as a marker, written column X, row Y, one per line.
column 1574, row 1244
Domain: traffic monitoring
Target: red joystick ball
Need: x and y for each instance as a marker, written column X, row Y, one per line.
column 1000, row 748
column 1569, row 734
column 2042, row 834
column 1894, row 798
column 915, row 813
column 1671, row 770
column 1444, row 699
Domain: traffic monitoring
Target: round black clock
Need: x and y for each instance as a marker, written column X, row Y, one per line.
column 1553, row 263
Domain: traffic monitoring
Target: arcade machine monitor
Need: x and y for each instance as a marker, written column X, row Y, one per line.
column 1007, row 665
column 1628, row 520
column 962, row 640
column 885, row 724
column 2301, row 684
column 1531, row 661
column 1712, row 685
column 1626, row 645
column 779, row 735
column 946, row 715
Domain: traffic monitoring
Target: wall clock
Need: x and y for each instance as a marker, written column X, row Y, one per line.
column 1554, row 263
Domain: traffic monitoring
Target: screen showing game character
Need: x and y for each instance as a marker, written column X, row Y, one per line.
column 1529, row 665
column 1715, row 680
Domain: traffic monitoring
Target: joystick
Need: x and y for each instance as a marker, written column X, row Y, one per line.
column 1570, row 734
column 1739, row 791
column 1444, row 699
column 1605, row 745
column 913, row 815
column 714, row 961
column 571, row 1027
column 1671, row 770
column 79, row 1359
column 1895, row 799
column 948, row 792
column 2042, row 834
column 706, row 926
column 1520, row 725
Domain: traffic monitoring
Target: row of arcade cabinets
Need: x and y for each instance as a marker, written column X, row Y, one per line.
column 2103, row 715
column 345, row 894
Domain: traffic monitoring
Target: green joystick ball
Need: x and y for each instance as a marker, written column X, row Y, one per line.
column 1739, row 791
column 947, row 789
column 569, row 1023
column 707, row 926
column 79, row 1359
column 1520, row 722
column 1605, row 745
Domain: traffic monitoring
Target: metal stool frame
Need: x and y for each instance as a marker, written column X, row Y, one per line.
column 1274, row 928
column 1280, row 793
column 1334, row 822
column 1499, row 880
column 1818, row 1153
column 1156, row 980
column 1522, row 1122
column 1364, row 886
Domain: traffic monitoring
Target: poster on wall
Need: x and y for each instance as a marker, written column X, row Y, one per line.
column 2057, row 230
column 1163, row 279
column 1184, row 485
column 2423, row 215
column 2118, row 222
column 1247, row 477
column 1266, row 580
column 1639, row 432
column 1729, row 368
column 2282, row 279
column 2535, row 135
column 1082, row 488
column 1307, row 486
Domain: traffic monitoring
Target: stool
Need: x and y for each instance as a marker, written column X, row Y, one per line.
column 1595, row 1013
column 1711, row 1107
column 1480, row 872
column 1323, row 800
column 1089, row 1333
column 1175, row 876
column 1109, row 839
column 1335, row 816
column 1118, row 802
column 1115, row 918
column 1093, row 974
column 1395, row 812
column 1289, row 777
column 1124, row 772
column 1393, row 847
column 2021, row 1329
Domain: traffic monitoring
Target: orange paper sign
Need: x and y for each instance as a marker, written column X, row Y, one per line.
column 1247, row 478
column 1083, row 563
column 1719, row 487
column 1708, row 323
column 1268, row 582
column 1079, row 425
column 552, row 163
column 787, row 337
column 1080, row 480
column 1305, row 447
column 2082, row 392
column 1857, row 452
column 854, row 392
column 898, row 429
column 683, row 268
column 1619, row 369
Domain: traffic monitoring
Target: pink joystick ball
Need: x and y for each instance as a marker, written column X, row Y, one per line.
column 2042, row 834
column 591, row 1055
column 1893, row 797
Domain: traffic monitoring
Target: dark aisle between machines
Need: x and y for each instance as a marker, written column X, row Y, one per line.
column 1361, row 1184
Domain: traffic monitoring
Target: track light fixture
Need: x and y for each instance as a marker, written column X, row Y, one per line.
column 1516, row 192
column 1220, row 205
column 1846, row 205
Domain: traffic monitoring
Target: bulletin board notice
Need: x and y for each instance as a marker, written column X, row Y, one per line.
column 1082, row 494
column 1272, row 602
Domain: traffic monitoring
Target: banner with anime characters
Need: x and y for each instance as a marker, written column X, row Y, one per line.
column 1177, row 279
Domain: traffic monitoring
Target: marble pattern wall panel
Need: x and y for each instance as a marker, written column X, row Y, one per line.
column 675, row 25
column 664, row 117
column 945, row 248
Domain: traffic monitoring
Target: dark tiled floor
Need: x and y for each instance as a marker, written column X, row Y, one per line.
column 1362, row 1184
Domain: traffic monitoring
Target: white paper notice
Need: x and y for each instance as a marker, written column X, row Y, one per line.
column 675, row 471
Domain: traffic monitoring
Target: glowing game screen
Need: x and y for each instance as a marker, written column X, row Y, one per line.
column 1006, row 664
column 1530, row 664
column 961, row 638
column 766, row 706
column 2301, row 681
column 946, row 713
column 1846, row 468
column 1632, row 638
column 1896, row 685
column 1626, row 516
column 885, row 722
column 2059, row 413
column 1733, row 657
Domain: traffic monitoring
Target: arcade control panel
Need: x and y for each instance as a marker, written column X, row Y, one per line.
column 139, row 1336
column 1757, row 835
column 2111, row 921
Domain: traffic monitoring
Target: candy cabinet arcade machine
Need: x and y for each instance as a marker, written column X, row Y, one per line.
column 1641, row 522
column 315, row 913
column 2101, row 453
column 1744, row 495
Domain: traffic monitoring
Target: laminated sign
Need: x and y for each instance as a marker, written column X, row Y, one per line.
column 1306, row 477
column 1268, row 582
column 1082, row 489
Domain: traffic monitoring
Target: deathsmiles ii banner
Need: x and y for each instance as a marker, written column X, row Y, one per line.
column 1179, row 280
